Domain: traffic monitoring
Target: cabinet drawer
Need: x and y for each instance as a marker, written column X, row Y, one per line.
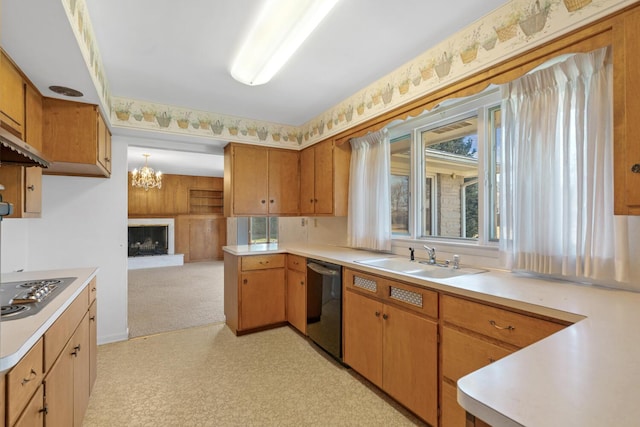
column 298, row 263
column 422, row 300
column 463, row 354
column 93, row 290
column 513, row 328
column 59, row 333
column 23, row 380
column 261, row 262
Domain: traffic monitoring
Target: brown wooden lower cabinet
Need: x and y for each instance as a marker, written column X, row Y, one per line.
column 52, row 383
column 254, row 291
column 297, row 293
column 393, row 347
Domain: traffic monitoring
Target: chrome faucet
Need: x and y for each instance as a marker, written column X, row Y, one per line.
column 432, row 254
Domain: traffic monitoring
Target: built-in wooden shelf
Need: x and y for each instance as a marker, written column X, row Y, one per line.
column 205, row 201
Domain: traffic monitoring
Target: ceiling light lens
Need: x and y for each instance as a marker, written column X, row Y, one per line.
column 279, row 30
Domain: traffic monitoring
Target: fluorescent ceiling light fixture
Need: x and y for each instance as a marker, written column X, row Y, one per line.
column 280, row 28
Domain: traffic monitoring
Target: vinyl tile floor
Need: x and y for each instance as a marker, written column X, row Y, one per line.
column 206, row 376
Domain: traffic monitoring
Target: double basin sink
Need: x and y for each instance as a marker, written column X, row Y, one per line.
column 418, row 269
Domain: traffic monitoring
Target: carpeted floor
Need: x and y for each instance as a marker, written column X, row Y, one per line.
column 206, row 376
column 171, row 298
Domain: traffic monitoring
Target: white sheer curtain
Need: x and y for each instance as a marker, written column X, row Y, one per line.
column 557, row 173
column 369, row 221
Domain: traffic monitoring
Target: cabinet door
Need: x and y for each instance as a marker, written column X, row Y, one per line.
column 93, row 344
column 250, row 181
column 58, row 389
column 33, row 118
column 284, row 181
column 11, row 95
column 33, row 190
column 410, row 361
column 324, row 178
column 203, row 245
column 297, row 300
column 33, row 415
column 452, row 413
column 307, row 181
column 262, row 298
column 363, row 336
column 102, row 131
column 81, row 369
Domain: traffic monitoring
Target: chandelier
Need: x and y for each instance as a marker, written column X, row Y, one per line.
column 146, row 177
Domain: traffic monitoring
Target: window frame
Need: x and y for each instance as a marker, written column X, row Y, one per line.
column 447, row 112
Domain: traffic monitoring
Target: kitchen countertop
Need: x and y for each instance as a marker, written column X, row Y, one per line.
column 18, row 336
column 585, row 374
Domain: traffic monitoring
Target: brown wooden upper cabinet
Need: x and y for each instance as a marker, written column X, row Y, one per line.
column 626, row 72
column 76, row 139
column 324, row 179
column 11, row 96
column 260, row 181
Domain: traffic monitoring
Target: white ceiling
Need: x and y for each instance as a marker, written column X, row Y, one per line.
column 179, row 53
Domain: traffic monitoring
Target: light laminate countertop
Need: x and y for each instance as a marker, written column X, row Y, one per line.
column 19, row 335
column 584, row 375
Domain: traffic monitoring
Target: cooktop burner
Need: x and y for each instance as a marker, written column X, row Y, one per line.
column 27, row 297
column 10, row 310
column 39, row 283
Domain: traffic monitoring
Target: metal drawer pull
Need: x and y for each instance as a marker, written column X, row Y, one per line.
column 31, row 187
column 502, row 328
column 32, row 376
column 75, row 351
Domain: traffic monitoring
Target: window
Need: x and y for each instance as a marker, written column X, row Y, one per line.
column 263, row 230
column 438, row 192
column 399, row 183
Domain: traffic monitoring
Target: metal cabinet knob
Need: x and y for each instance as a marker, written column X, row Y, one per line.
column 385, row 316
column 635, row 168
column 377, row 314
column 302, row 283
column 31, row 187
column 263, row 201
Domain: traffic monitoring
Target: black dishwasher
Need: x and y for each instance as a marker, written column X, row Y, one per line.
column 324, row 306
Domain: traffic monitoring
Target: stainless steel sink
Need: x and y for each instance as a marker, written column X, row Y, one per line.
column 418, row 269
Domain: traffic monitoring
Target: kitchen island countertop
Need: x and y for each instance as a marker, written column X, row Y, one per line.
column 18, row 336
column 585, row 374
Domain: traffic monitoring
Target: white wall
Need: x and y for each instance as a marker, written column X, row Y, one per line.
column 83, row 224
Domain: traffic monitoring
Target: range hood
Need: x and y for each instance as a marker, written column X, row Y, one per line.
column 14, row 151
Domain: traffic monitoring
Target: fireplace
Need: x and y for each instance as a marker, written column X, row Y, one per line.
column 151, row 243
column 145, row 240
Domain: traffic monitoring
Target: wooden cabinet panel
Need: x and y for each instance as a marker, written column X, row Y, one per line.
column 284, row 182
column 363, row 336
column 453, row 415
column 33, row 415
column 250, row 184
column 297, row 299
column 59, row 333
column 58, row 386
column 23, row 380
column 324, row 179
column 23, row 188
column 11, row 96
column 626, row 75
column 260, row 262
column 298, row 263
column 261, row 181
column 33, row 117
column 202, row 239
column 93, row 344
column 410, row 361
column 307, row 181
column 262, row 298
column 75, row 139
column 81, row 370
column 513, row 328
column 463, row 354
